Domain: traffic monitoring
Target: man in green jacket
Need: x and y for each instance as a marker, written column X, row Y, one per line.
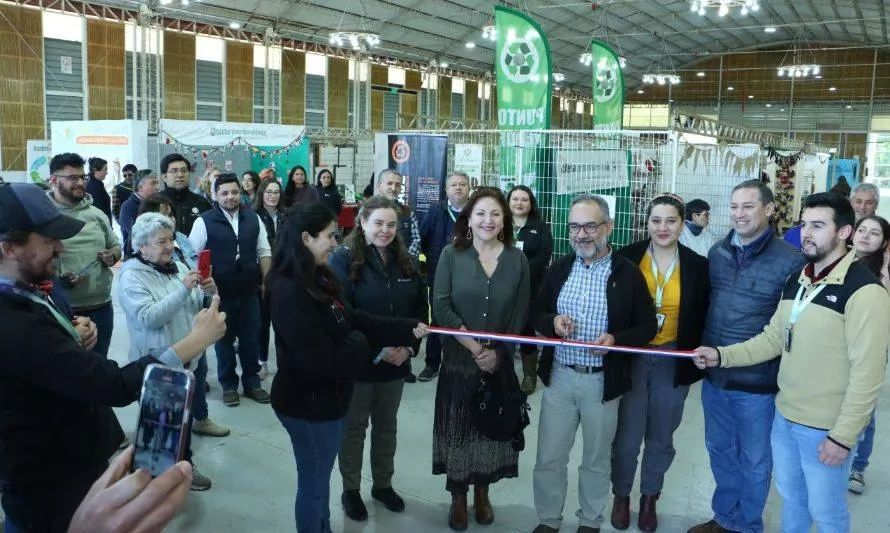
column 85, row 263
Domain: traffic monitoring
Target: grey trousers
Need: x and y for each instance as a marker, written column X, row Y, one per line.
column 649, row 413
column 379, row 403
column 572, row 399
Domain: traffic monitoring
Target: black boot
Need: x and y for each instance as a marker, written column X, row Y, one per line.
column 353, row 505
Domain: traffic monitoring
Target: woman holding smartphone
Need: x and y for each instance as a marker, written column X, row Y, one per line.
column 677, row 278
column 379, row 277
column 322, row 344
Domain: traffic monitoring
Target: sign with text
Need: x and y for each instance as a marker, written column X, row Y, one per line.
column 39, row 152
column 468, row 159
column 422, row 161
column 209, row 133
column 116, row 141
column 591, row 170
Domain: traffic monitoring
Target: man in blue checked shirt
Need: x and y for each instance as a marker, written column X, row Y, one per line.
column 590, row 294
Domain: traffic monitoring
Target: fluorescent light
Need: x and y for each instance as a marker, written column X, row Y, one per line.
column 730, row 88
column 769, row 105
column 770, row 29
column 235, row 25
column 641, row 91
column 849, row 107
column 750, row 96
column 444, row 64
column 701, row 74
column 470, row 44
column 832, row 89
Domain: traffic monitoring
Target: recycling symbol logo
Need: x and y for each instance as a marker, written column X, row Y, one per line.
column 520, row 61
column 606, row 83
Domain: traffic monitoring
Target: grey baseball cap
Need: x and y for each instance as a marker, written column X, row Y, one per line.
column 25, row 206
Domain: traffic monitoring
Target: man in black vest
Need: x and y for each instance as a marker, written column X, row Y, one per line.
column 187, row 206
column 241, row 257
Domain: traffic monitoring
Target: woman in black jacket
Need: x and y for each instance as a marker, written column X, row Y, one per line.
column 267, row 204
column 322, row 343
column 379, row 277
column 531, row 234
column 677, row 278
column 328, row 194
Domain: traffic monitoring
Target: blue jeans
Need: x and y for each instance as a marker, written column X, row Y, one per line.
column 103, row 317
column 199, row 401
column 316, row 445
column 810, row 490
column 243, row 323
column 860, row 463
column 737, row 429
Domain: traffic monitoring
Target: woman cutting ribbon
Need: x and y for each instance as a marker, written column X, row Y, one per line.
column 677, row 278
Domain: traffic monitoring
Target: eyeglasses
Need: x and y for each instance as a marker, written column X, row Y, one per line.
column 589, row 228
column 272, row 193
column 177, row 171
column 72, row 177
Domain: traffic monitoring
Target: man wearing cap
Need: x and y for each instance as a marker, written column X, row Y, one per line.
column 85, row 264
column 144, row 185
column 123, row 190
column 57, row 428
column 696, row 235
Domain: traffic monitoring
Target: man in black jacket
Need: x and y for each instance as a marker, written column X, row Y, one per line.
column 187, row 206
column 590, row 295
column 57, row 428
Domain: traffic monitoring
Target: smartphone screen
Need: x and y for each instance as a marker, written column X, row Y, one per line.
column 163, row 415
column 204, row 263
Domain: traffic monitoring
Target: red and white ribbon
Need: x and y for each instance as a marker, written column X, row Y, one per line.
column 550, row 341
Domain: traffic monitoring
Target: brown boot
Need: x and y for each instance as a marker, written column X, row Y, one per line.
column 621, row 512
column 457, row 516
column 708, row 527
column 529, row 369
column 484, row 513
column 648, row 520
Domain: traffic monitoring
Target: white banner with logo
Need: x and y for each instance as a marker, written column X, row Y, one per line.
column 39, row 152
column 116, row 141
column 468, row 159
column 209, row 133
column 580, row 171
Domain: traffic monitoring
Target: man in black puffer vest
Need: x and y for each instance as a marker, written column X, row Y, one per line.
column 241, row 258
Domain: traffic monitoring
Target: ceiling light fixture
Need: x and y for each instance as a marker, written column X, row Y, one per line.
column 235, row 25
column 832, row 89
column 586, row 59
column 444, row 64
column 559, row 77
column 701, row 74
column 661, row 78
column 470, row 44
column 849, row 107
column 770, row 29
column 640, row 91
column 724, row 6
column 750, row 96
column 769, row 105
column 357, row 40
column 489, row 33
column 799, row 71
column 730, row 88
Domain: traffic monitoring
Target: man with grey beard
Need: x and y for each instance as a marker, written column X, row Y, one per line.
column 593, row 295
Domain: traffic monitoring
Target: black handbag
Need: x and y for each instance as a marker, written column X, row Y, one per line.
column 499, row 407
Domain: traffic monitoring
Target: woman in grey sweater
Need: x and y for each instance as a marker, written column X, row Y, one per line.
column 482, row 284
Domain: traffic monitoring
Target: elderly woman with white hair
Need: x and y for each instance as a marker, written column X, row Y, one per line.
column 160, row 298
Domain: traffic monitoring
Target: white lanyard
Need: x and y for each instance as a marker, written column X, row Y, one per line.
column 659, row 288
column 61, row 319
column 798, row 306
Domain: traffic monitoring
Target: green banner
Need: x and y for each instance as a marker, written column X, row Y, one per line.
column 524, row 85
column 608, row 88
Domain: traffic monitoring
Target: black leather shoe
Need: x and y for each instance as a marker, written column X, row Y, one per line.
column 353, row 505
column 389, row 498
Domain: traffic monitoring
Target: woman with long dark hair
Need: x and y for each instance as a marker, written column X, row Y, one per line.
column 250, row 183
column 267, row 205
column 651, row 412
column 327, row 191
column 871, row 237
column 298, row 189
column 482, row 284
column 98, row 171
column 379, row 277
column 322, row 342
column 531, row 234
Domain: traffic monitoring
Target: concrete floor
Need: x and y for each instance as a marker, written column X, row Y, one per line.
column 254, row 475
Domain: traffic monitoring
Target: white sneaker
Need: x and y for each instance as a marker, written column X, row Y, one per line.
column 857, row 482
column 264, row 372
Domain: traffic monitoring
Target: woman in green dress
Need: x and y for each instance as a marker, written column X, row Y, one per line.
column 482, row 284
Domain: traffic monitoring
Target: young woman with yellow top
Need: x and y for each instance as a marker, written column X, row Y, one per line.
column 677, row 278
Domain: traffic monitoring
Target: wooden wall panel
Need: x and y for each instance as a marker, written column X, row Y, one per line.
column 239, row 82
column 338, row 92
column 21, row 83
column 293, row 87
column 471, row 100
column 408, row 104
column 379, row 76
column 179, row 75
column 105, row 67
column 555, row 113
column 444, row 96
column 413, row 80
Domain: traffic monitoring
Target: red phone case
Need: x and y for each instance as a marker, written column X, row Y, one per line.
column 204, row 263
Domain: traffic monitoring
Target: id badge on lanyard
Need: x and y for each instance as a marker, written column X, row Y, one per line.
column 797, row 308
column 659, row 288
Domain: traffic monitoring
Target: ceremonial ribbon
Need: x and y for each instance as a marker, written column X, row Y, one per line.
column 550, row 341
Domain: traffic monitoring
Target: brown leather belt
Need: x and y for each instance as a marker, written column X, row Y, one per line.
column 89, row 308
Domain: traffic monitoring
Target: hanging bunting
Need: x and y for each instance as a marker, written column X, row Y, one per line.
column 212, row 152
column 783, row 160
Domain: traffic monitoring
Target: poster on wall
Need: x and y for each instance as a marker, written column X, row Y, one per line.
column 422, row 162
column 120, row 141
column 590, row 170
column 39, row 153
column 468, row 159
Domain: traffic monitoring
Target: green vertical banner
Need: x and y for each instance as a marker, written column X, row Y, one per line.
column 608, row 88
column 524, row 83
